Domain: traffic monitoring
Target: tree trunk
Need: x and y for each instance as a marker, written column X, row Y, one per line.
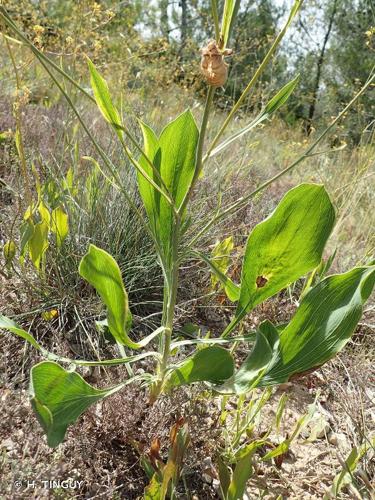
column 319, row 67
column 164, row 19
column 184, row 14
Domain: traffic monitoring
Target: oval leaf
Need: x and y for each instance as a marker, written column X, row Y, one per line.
column 102, row 272
column 103, row 98
column 59, row 397
column 285, row 246
column 173, row 157
column 322, row 325
column 212, row 364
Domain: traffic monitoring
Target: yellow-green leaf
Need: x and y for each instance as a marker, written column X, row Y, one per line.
column 38, row 243
column 59, row 397
column 9, row 252
column 103, row 99
column 60, row 225
column 102, row 272
column 285, row 246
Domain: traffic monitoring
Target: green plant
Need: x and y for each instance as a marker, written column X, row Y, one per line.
column 286, row 246
column 350, row 469
column 43, row 219
column 164, row 477
column 245, row 448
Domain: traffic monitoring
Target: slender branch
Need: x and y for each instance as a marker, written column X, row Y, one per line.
column 215, row 16
column 17, row 114
column 199, row 155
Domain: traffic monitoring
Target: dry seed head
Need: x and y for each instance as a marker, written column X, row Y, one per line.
column 213, row 66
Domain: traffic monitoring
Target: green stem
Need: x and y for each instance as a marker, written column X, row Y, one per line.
column 170, row 296
column 17, row 115
column 215, row 16
column 171, row 276
column 199, row 156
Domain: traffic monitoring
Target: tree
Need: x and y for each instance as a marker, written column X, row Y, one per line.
column 319, row 66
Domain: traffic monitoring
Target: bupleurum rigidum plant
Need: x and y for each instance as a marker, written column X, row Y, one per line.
column 286, row 246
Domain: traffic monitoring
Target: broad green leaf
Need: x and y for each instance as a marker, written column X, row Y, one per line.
column 149, row 195
column 173, row 157
column 241, row 475
column 275, row 103
column 178, row 142
column 322, row 325
column 38, row 243
column 9, row 252
column 229, row 14
column 60, row 225
column 59, row 397
column 102, row 272
column 255, row 365
column 103, row 99
column 212, row 364
column 285, row 246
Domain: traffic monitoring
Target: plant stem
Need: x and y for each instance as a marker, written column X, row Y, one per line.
column 172, row 274
column 170, row 296
column 17, row 114
column 199, row 156
column 215, row 15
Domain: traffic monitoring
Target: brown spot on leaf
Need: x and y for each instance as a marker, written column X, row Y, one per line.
column 261, row 281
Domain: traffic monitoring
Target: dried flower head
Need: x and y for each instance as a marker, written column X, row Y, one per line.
column 213, row 65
